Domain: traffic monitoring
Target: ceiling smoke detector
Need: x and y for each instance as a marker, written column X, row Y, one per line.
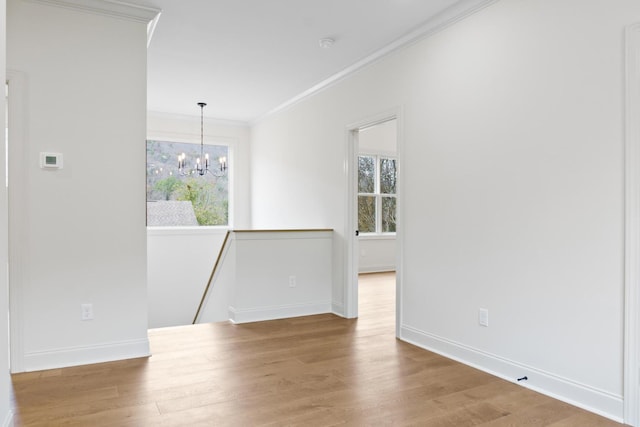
column 326, row 42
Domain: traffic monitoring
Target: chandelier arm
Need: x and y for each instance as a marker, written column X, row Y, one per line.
column 202, row 162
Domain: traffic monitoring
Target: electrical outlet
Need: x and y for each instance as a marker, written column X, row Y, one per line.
column 87, row 311
column 292, row 282
column 483, row 317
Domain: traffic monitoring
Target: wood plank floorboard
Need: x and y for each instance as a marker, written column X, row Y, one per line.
column 308, row 371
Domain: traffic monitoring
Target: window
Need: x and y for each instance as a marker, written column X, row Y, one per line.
column 376, row 194
column 175, row 200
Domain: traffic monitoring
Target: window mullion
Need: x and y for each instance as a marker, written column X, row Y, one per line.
column 378, row 196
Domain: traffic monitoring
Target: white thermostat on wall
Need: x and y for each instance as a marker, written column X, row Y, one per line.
column 51, row 160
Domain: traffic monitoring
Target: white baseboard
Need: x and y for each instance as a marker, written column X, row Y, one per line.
column 259, row 314
column 592, row 399
column 8, row 420
column 337, row 308
column 86, row 355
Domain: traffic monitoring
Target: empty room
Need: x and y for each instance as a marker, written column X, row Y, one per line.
column 320, row 213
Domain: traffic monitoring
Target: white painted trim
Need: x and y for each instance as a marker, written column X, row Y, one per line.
column 337, row 308
column 112, row 8
column 352, row 253
column 437, row 23
column 351, row 244
column 400, row 219
column 232, row 146
column 376, row 119
column 379, row 153
column 18, row 213
column 377, row 236
column 260, row 314
column 85, row 355
column 632, row 228
column 151, row 27
column 592, row 399
column 8, row 421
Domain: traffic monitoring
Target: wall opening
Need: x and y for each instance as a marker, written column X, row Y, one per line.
column 371, row 238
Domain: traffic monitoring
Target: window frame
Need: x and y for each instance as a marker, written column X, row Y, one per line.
column 378, row 156
column 191, row 139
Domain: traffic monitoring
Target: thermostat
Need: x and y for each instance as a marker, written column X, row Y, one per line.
column 51, row 160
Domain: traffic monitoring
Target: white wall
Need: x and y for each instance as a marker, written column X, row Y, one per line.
column 179, row 260
column 376, row 252
column 179, row 263
column 512, row 188
column 266, row 265
column 81, row 233
column 381, row 138
column 5, row 384
column 215, row 306
column 271, row 274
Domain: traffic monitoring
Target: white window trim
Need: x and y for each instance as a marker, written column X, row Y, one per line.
column 377, row 236
column 231, row 144
column 378, row 196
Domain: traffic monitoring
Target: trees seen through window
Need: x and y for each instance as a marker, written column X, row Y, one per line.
column 184, row 200
column 377, row 177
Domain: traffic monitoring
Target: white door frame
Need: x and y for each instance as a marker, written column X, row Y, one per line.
column 632, row 229
column 351, row 220
column 350, row 297
column 18, row 221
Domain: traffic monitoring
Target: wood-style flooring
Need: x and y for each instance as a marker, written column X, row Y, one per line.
column 309, row 371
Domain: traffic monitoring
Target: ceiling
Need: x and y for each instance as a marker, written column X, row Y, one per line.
column 245, row 58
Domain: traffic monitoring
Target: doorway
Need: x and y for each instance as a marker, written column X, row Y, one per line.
column 373, row 205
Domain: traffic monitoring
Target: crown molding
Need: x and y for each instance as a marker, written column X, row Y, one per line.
column 112, row 8
column 437, row 23
column 151, row 27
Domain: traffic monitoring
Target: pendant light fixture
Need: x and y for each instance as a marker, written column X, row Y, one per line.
column 202, row 162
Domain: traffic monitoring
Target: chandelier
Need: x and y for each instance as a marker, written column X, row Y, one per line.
column 202, row 163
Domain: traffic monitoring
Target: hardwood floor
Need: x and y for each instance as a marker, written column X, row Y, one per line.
column 309, row 371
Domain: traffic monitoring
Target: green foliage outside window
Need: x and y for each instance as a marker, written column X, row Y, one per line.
column 207, row 195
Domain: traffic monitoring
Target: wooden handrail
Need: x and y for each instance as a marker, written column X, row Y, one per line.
column 213, row 272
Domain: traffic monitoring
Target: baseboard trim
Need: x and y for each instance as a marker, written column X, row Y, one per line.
column 337, row 308
column 259, row 314
column 583, row 396
column 86, row 355
column 8, row 420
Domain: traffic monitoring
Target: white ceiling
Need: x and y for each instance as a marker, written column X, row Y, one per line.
column 245, row 58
